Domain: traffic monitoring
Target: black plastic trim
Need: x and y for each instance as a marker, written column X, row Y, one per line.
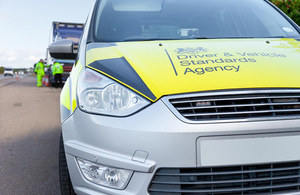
column 121, row 70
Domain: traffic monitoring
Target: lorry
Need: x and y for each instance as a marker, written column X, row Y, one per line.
column 60, row 31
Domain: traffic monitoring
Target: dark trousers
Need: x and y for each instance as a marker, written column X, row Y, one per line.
column 57, row 77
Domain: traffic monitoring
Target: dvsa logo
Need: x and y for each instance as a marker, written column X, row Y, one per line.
column 191, row 50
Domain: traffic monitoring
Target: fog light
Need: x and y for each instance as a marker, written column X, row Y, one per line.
column 104, row 175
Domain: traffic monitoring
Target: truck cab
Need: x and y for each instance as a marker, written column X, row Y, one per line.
column 61, row 31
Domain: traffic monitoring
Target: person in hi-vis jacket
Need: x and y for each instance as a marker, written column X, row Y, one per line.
column 39, row 69
column 57, row 71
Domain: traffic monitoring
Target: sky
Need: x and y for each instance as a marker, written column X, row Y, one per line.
column 25, row 27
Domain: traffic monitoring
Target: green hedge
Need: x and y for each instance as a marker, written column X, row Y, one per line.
column 290, row 8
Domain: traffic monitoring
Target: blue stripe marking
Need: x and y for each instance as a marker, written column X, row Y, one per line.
column 171, row 63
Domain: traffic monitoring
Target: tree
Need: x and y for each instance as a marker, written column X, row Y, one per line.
column 290, row 8
column 1, row 70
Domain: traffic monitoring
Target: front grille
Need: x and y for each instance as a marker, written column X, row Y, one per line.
column 267, row 104
column 233, row 180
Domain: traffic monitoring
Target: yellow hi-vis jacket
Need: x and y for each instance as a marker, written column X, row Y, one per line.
column 57, row 68
column 39, row 68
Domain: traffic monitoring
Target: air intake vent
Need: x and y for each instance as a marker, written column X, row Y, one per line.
column 238, row 105
column 235, row 180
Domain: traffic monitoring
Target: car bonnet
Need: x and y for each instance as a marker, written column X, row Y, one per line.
column 157, row 68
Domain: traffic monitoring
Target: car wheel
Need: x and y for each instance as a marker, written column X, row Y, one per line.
column 64, row 176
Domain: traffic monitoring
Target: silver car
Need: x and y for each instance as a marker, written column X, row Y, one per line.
column 172, row 97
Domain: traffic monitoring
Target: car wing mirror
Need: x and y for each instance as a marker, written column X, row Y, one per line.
column 63, row 49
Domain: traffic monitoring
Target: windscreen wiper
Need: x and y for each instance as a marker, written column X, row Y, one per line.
column 232, row 37
column 199, row 38
column 137, row 38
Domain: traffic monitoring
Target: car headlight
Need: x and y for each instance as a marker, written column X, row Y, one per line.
column 101, row 95
column 104, row 175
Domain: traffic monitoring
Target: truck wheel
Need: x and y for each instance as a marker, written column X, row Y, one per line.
column 64, row 176
column 50, row 82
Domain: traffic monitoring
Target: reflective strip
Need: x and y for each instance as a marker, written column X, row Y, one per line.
column 65, row 101
column 106, row 53
column 74, row 78
column 70, row 92
column 68, row 101
column 65, row 95
column 74, row 104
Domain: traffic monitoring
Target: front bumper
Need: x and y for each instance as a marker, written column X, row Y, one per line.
column 155, row 138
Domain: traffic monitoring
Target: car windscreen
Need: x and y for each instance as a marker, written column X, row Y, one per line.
column 130, row 20
column 8, row 69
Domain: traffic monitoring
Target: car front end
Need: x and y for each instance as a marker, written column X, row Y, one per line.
column 8, row 72
column 181, row 112
column 165, row 154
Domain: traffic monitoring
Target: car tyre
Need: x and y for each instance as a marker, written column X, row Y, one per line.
column 66, row 186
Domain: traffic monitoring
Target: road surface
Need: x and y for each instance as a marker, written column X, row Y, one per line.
column 6, row 77
column 29, row 137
